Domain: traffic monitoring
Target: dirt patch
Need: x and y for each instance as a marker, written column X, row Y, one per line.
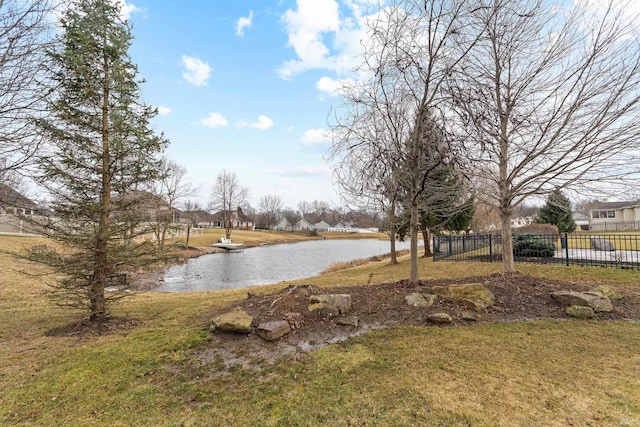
column 518, row 297
column 93, row 328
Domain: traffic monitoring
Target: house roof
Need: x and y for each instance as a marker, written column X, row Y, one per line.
column 10, row 197
column 198, row 215
column 615, row 205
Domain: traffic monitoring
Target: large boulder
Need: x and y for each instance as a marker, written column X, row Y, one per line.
column 601, row 244
column 472, row 296
column 274, row 330
column 236, row 321
column 330, row 305
column 596, row 300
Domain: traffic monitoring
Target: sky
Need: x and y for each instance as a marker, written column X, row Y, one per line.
column 247, row 87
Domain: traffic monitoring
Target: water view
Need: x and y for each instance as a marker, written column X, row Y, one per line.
column 268, row 264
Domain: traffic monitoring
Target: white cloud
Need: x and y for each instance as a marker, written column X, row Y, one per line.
column 196, row 71
column 316, row 137
column 243, row 23
column 163, row 111
column 263, row 123
column 127, row 10
column 214, row 120
column 313, row 21
column 309, row 170
column 330, row 86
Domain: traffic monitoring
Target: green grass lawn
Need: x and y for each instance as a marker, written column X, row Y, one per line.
column 537, row 373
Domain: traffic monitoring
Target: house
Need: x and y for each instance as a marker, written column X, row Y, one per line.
column 200, row 218
column 283, row 224
column 14, row 203
column 615, row 216
column 14, row 206
column 303, row 225
column 239, row 221
column 322, row 226
column 147, row 205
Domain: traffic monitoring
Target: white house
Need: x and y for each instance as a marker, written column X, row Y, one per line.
column 283, row 224
column 302, row 225
column 615, row 216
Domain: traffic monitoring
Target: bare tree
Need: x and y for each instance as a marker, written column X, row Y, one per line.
column 270, row 207
column 548, row 98
column 304, row 207
column 227, row 196
column 172, row 186
column 24, row 38
column 190, row 217
column 391, row 134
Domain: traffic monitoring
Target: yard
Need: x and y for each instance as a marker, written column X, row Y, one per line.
column 156, row 363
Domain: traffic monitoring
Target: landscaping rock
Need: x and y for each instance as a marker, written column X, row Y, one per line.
column 419, row 300
column 469, row 316
column 608, row 292
column 272, row 331
column 440, row 318
column 348, row 321
column 330, row 305
column 595, row 300
column 581, row 312
column 473, row 296
column 601, row 244
column 236, row 321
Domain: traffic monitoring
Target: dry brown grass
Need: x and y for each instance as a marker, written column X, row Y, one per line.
column 542, row 373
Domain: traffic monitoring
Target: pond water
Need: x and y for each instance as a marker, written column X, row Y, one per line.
column 268, row 264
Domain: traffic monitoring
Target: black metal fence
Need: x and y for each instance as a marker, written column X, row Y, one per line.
column 606, row 250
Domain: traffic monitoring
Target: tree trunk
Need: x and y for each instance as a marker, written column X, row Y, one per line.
column 392, row 232
column 97, row 302
column 508, row 262
column 426, row 236
column 413, row 276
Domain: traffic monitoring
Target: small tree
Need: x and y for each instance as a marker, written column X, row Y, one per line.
column 227, row 195
column 557, row 211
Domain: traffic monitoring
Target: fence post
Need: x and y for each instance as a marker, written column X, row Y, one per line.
column 566, row 247
column 450, row 245
column 490, row 249
column 433, row 238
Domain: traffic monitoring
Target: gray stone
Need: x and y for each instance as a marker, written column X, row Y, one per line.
column 469, row 316
column 608, row 292
column 419, row 300
column 330, row 305
column 348, row 321
column 274, row 330
column 601, row 244
column 473, row 296
column 581, row 312
column 598, row 301
column 440, row 318
column 236, row 321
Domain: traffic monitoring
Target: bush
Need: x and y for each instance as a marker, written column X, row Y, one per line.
column 533, row 246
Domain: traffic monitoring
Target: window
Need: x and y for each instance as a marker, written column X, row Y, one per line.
column 603, row 214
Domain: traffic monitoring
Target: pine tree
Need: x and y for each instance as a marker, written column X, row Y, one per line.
column 557, row 211
column 102, row 151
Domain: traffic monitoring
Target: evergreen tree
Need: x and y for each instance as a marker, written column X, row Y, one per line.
column 557, row 211
column 102, row 151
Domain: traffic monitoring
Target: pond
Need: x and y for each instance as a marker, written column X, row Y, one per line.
column 268, row 264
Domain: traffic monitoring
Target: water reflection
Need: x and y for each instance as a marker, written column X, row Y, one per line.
column 268, row 264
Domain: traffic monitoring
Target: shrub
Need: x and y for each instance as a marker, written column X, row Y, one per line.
column 533, row 246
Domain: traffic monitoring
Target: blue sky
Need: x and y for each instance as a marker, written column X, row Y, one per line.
column 246, row 86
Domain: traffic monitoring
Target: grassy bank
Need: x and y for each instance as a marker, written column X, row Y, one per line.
column 546, row 373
